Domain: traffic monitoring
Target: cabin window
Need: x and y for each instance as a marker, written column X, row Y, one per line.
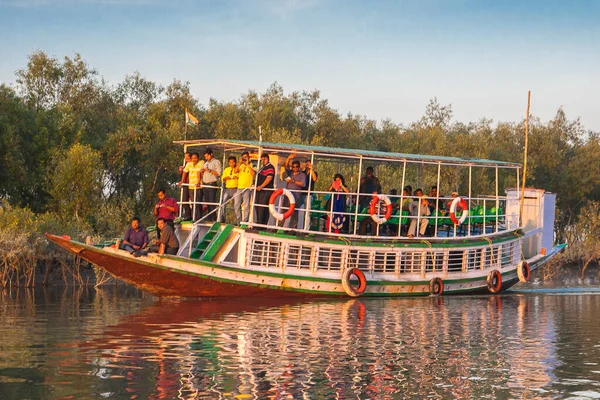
column 384, row 262
column 298, row 257
column 473, row 259
column 262, row 253
column 455, row 260
column 434, row 261
column 508, row 253
column 329, row 259
column 359, row 259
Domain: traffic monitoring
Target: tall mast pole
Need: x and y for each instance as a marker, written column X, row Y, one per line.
column 525, row 157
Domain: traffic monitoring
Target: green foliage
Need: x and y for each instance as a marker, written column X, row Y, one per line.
column 95, row 154
column 76, row 181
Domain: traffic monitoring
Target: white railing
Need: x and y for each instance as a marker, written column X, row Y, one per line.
column 285, row 255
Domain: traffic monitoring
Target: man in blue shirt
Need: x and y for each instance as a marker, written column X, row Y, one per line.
column 136, row 237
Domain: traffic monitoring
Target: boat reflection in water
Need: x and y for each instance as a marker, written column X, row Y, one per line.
column 500, row 346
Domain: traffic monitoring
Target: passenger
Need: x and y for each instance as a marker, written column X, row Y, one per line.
column 368, row 221
column 136, row 237
column 211, row 172
column 191, row 174
column 391, row 229
column 296, row 182
column 166, row 208
column 434, row 200
column 406, row 199
column 337, row 204
column 187, row 215
column 167, row 237
column 265, row 182
column 246, row 174
column 230, row 179
column 420, row 212
column 369, row 184
column 449, row 202
column 311, row 174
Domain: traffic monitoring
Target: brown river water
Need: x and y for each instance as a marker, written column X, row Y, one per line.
column 119, row 343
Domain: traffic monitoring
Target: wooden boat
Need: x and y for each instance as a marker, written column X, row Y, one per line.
column 497, row 240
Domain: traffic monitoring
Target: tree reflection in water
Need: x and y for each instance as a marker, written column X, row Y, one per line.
column 121, row 346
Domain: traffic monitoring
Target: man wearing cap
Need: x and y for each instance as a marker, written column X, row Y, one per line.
column 211, row 172
column 264, row 186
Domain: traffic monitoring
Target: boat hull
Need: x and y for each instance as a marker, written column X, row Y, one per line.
column 182, row 277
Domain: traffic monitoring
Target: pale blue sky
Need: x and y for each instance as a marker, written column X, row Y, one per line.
column 381, row 59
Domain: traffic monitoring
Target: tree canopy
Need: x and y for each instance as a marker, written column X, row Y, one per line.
column 72, row 143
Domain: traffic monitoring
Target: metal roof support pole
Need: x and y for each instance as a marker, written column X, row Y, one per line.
column 360, row 163
column 253, row 199
column 518, row 195
column 437, row 203
column 401, row 199
column 497, row 199
column 469, row 203
column 308, row 202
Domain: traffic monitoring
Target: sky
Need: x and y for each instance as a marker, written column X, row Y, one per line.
column 381, row 59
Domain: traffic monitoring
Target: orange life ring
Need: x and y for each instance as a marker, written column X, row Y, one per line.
column 459, row 201
column 373, row 208
column 279, row 216
column 436, row 287
column 523, row 271
column 354, row 291
column 494, row 281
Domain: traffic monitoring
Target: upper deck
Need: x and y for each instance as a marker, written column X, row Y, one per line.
column 488, row 210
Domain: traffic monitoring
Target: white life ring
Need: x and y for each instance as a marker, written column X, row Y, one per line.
column 523, row 271
column 459, row 201
column 347, row 285
column 373, row 208
column 277, row 215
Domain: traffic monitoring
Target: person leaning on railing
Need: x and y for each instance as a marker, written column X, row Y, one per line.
column 210, row 174
column 265, row 182
column 191, row 174
column 296, row 182
column 185, row 196
column 246, row 174
column 230, row 179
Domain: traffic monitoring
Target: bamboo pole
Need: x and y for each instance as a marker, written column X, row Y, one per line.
column 525, row 157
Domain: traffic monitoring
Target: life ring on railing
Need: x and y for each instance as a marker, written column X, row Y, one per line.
column 523, row 271
column 494, row 281
column 459, row 201
column 354, row 291
column 373, row 208
column 279, row 216
column 436, row 287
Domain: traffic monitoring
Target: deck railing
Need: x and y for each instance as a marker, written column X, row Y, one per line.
column 486, row 215
column 289, row 255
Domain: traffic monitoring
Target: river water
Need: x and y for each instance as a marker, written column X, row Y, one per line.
column 119, row 343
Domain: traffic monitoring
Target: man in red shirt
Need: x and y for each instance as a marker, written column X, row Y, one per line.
column 166, row 208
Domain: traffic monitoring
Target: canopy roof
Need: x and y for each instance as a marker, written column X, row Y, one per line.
column 238, row 145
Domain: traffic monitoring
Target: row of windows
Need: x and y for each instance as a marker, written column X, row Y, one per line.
column 274, row 254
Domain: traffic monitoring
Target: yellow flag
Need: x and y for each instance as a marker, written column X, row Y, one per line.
column 190, row 119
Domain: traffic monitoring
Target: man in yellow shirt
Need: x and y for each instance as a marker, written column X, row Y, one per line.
column 191, row 174
column 246, row 174
column 230, row 179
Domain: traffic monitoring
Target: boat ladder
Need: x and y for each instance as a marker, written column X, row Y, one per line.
column 211, row 243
